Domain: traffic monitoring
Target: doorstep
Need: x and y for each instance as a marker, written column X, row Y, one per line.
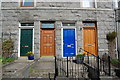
column 23, row 59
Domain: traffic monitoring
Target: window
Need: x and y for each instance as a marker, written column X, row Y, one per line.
column 119, row 4
column 88, row 3
column 27, row 3
column 115, row 3
column 47, row 25
column 89, row 24
column 27, row 24
column 68, row 24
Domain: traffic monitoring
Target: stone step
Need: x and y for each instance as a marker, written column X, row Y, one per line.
column 109, row 78
column 47, row 59
column 42, row 68
column 42, row 75
column 76, row 74
column 69, row 78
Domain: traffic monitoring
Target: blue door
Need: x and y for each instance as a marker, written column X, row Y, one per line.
column 69, row 46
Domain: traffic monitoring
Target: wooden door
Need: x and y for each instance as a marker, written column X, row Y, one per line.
column 47, row 43
column 90, row 40
column 26, row 41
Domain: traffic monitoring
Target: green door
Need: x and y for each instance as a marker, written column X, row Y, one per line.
column 26, row 41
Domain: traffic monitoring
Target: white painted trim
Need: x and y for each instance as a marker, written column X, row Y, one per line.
column 19, row 43
column 95, row 4
column 76, row 40
column 62, row 39
column 116, row 3
column 25, row 27
column 33, row 42
column 117, row 24
column 35, row 2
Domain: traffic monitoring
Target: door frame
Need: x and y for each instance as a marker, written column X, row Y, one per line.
column 62, row 40
column 96, row 37
column 25, row 27
column 54, row 40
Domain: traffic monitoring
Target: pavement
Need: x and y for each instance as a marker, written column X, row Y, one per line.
column 43, row 68
column 17, row 69
column 24, row 68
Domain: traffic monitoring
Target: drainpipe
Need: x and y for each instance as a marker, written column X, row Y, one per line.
column 116, row 24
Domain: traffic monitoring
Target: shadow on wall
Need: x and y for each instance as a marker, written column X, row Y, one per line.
column 118, row 53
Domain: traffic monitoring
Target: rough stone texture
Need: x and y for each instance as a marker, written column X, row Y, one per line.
column 100, row 4
column 58, row 4
column 105, row 4
column 0, row 40
column 37, row 39
column 58, row 12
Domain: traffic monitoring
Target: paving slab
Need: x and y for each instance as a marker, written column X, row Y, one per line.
column 43, row 68
column 18, row 69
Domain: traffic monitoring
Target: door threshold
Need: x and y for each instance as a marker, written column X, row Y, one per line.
column 23, row 58
column 47, row 57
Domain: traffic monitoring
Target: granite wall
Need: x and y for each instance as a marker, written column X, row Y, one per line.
column 59, row 12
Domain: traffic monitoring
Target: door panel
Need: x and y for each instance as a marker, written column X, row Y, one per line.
column 47, row 43
column 69, row 46
column 90, row 40
column 26, row 41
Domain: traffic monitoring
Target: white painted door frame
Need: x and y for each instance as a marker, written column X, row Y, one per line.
column 25, row 27
column 62, row 39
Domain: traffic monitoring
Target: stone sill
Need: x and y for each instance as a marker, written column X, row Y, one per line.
column 51, row 8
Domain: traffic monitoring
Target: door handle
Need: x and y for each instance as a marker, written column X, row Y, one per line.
column 25, row 46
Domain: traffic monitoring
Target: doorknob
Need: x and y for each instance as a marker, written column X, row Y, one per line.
column 25, row 46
